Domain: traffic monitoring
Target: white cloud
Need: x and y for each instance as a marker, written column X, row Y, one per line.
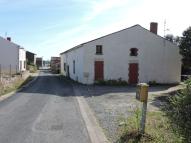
column 101, row 6
column 176, row 13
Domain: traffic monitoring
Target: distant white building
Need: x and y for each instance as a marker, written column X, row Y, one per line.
column 134, row 54
column 12, row 57
column 22, row 59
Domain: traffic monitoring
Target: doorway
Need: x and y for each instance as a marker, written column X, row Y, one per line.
column 133, row 73
column 99, row 70
column 68, row 71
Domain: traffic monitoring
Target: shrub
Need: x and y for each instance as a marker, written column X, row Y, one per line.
column 152, row 82
column 100, row 82
column 188, row 82
column 32, row 68
column 114, row 82
column 179, row 111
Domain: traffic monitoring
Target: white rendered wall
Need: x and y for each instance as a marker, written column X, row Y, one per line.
column 9, row 56
column 158, row 61
column 62, row 64
column 68, row 58
column 161, row 61
column 22, row 59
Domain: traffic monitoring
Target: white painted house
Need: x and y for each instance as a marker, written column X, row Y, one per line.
column 22, row 59
column 134, row 54
column 12, row 57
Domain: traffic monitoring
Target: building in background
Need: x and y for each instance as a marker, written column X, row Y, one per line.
column 134, row 54
column 55, row 64
column 46, row 64
column 22, row 59
column 30, row 58
column 39, row 62
column 12, row 57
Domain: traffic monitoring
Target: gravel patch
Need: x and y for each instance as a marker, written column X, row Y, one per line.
column 110, row 103
column 108, row 106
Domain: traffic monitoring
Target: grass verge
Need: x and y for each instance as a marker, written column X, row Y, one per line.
column 15, row 85
column 170, row 125
column 158, row 129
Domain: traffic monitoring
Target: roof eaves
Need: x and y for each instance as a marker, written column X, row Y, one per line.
column 31, row 52
column 76, row 47
column 18, row 46
column 158, row 36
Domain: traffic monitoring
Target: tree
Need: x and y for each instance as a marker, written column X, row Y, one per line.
column 185, row 48
column 169, row 37
column 173, row 39
column 177, row 40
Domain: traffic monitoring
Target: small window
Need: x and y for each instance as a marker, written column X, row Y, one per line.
column 133, row 52
column 64, row 66
column 74, row 67
column 99, row 49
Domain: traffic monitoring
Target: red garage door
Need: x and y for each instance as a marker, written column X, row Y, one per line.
column 99, row 71
column 133, row 73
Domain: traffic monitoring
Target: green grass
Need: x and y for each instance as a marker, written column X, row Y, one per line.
column 158, row 129
column 170, row 125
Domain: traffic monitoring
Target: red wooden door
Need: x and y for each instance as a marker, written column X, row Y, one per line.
column 133, row 73
column 99, row 71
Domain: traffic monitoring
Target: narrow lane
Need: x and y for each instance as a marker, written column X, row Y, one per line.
column 45, row 112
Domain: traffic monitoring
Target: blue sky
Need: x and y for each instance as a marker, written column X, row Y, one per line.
column 49, row 27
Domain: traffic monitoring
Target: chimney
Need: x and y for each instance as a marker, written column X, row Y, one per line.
column 153, row 27
column 9, row 38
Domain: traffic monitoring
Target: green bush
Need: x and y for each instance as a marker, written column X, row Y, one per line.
column 100, row 82
column 152, row 82
column 114, row 82
column 179, row 111
column 188, row 82
column 32, row 68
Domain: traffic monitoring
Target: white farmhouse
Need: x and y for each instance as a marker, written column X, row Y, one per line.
column 22, row 59
column 12, row 57
column 134, row 54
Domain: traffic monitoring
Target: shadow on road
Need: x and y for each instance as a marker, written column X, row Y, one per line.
column 54, row 84
column 49, row 84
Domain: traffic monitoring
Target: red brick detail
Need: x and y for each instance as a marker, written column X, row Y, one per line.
column 154, row 27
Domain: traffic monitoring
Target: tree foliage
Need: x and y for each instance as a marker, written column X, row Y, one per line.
column 173, row 39
column 185, row 47
column 169, row 37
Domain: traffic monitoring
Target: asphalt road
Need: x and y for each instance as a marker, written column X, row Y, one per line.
column 44, row 112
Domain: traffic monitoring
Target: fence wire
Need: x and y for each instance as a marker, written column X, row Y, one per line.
column 8, row 71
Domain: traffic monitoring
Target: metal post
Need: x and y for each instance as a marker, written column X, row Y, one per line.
column 143, row 118
column 142, row 95
column 10, row 71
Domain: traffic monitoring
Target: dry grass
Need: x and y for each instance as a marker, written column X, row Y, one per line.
column 158, row 129
column 19, row 82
